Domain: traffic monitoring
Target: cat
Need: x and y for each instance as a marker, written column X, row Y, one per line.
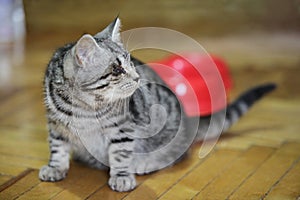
column 99, row 110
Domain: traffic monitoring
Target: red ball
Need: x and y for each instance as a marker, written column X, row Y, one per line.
column 201, row 82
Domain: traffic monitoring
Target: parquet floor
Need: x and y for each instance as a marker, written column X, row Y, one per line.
column 259, row 158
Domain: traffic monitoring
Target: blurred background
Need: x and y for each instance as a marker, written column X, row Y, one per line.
column 230, row 28
column 259, row 39
column 210, row 18
column 248, row 34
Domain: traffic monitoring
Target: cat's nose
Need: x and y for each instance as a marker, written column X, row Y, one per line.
column 135, row 76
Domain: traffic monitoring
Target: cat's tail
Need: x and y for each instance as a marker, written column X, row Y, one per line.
column 243, row 103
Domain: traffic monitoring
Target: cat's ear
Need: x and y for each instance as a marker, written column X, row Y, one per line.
column 111, row 31
column 85, row 49
column 115, row 34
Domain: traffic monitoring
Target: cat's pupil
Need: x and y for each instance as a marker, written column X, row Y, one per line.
column 118, row 69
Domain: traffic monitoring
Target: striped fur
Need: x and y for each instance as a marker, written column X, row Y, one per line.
column 232, row 113
column 111, row 111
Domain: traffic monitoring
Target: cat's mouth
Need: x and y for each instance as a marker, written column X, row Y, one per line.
column 129, row 87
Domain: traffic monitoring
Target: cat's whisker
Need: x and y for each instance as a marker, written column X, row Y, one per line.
column 136, row 47
column 143, row 88
column 143, row 82
column 127, row 45
column 145, row 91
column 119, row 106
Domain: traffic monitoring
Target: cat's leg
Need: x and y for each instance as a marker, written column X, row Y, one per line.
column 120, row 160
column 59, row 162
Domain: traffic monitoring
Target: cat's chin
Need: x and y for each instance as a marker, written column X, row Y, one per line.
column 116, row 96
column 127, row 89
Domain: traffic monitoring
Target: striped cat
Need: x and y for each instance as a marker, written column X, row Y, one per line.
column 99, row 110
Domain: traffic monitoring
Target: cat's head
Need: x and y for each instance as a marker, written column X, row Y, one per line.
column 100, row 66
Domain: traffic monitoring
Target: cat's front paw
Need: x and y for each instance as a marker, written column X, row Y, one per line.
column 52, row 174
column 122, row 183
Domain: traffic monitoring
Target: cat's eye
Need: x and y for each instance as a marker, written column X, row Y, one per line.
column 117, row 70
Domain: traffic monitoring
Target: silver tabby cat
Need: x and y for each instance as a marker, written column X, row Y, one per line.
column 99, row 110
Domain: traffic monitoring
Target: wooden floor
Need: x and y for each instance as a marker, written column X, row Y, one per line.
column 259, row 158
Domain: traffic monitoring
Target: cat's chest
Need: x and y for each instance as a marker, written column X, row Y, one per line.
column 96, row 127
column 83, row 126
column 88, row 132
